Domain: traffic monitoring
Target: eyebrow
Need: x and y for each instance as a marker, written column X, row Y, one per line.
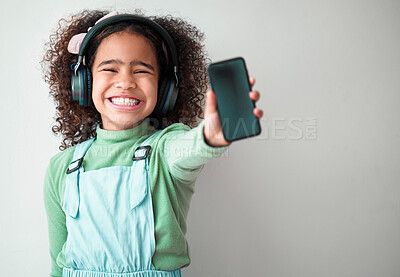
column 132, row 63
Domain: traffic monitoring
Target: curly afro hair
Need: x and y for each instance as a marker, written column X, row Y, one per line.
column 76, row 123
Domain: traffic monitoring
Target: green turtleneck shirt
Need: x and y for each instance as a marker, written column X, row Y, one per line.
column 177, row 156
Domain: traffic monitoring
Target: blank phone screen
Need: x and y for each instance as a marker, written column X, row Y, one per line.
column 229, row 80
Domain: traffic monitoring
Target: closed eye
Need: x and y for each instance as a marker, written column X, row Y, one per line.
column 142, row 71
column 109, row 70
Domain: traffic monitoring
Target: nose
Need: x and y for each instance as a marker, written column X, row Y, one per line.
column 125, row 80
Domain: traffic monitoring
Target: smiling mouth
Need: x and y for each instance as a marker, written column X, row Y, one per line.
column 124, row 101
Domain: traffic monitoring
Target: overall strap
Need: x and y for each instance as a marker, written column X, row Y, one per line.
column 71, row 194
column 79, row 153
column 139, row 170
column 144, row 149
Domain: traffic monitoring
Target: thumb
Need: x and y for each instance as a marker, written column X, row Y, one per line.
column 211, row 103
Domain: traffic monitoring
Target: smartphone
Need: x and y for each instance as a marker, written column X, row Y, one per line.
column 230, row 82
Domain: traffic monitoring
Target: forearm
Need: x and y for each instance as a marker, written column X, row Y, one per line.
column 187, row 152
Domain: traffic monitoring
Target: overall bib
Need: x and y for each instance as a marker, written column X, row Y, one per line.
column 109, row 217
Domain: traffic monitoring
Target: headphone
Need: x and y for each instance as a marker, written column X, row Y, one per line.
column 81, row 80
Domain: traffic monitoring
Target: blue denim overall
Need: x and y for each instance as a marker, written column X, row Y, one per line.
column 109, row 217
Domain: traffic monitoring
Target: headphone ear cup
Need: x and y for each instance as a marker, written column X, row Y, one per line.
column 77, row 86
column 88, row 97
column 81, row 86
column 84, row 88
column 162, row 93
column 172, row 96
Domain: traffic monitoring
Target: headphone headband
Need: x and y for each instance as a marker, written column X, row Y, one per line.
column 130, row 17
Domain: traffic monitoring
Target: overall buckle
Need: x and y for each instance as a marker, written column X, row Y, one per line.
column 141, row 153
column 78, row 165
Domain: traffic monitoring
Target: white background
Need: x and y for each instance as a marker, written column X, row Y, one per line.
column 303, row 198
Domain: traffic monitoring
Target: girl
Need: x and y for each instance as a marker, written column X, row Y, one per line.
column 117, row 197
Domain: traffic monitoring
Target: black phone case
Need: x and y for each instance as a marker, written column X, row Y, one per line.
column 230, row 81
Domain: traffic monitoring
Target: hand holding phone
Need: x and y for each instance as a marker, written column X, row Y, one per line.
column 230, row 82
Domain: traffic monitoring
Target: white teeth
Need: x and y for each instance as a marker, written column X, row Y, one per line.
column 125, row 101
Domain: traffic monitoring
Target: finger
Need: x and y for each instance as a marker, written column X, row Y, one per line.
column 252, row 81
column 211, row 102
column 254, row 95
column 258, row 113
